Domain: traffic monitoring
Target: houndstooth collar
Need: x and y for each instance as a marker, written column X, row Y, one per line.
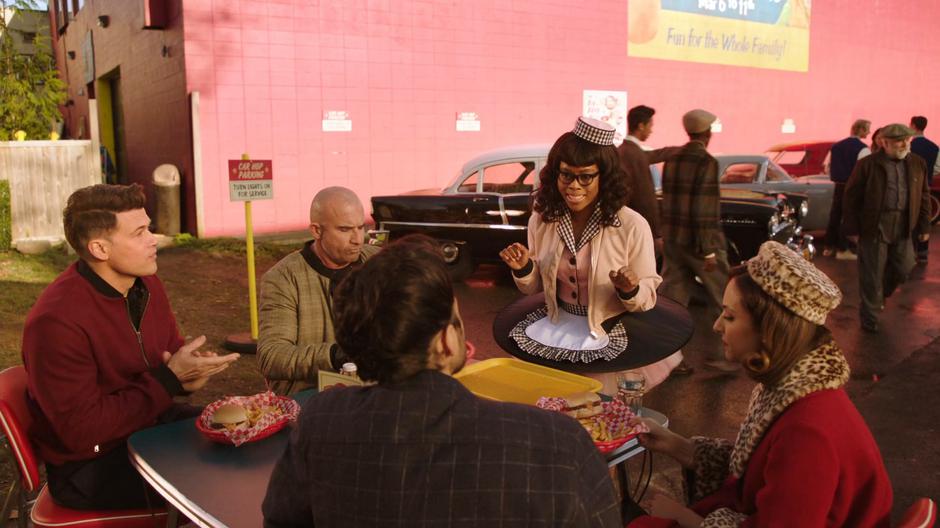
column 823, row 368
column 566, row 230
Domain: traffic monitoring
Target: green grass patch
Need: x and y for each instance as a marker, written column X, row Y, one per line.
column 232, row 246
column 33, row 269
column 22, row 279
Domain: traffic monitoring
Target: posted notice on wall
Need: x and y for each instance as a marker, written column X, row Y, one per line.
column 770, row 34
column 468, row 122
column 336, row 121
column 250, row 180
column 608, row 106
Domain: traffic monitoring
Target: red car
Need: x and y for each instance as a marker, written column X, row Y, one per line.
column 801, row 159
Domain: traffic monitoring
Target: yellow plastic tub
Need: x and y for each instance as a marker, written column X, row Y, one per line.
column 513, row 380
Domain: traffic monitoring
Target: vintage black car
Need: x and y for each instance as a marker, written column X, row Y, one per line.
column 487, row 207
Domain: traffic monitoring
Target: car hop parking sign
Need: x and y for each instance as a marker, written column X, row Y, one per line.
column 250, row 180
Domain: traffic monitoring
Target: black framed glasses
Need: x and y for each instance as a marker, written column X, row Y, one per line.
column 585, row 178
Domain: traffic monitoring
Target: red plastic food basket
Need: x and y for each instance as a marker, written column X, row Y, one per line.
column 266, row 427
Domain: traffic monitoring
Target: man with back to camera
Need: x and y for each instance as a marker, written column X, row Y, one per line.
column 295, row 335
column 104, row 356
column 693, row 241
column 843, row 156
column 928, row 150
column 886, row 204
column 417, row 448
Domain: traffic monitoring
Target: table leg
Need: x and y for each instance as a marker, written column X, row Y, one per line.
column 172, row 516
column 623, row 479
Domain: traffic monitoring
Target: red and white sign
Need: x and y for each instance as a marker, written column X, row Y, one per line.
column 250, row 180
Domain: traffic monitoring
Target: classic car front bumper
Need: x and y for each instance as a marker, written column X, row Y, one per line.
column 802, row 244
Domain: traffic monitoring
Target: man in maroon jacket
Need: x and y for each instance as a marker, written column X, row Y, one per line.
column 103, row 353
column 636, row 161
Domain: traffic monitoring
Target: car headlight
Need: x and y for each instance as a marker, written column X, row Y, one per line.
column 804, row 209
column 773, row 224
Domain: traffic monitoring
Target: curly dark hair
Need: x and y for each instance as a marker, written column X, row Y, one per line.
column 577, row 152
column 388, row 310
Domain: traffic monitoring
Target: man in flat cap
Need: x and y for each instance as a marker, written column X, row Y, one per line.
column 693, row 242
column 886, row 200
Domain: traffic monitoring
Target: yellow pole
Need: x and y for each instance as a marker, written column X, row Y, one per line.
column 250, row 243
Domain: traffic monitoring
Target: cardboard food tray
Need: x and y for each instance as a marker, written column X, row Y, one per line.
column 512, row 380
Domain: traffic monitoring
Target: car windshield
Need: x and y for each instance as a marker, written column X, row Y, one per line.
column 505, row 177
column 788, row 157
column 775, row 173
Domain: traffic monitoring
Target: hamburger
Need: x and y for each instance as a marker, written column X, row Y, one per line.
column 582, row 405
column 230, row 416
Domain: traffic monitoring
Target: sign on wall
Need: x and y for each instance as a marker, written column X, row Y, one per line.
column 770, row 34
column 468, row 122
column 250, row 180
column 608, row 106
column 336, row 121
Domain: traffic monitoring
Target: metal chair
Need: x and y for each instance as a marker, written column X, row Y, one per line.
column 16, row 421
column 921, row 514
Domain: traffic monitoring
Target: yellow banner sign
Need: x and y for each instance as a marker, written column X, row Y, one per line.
column 756, row 33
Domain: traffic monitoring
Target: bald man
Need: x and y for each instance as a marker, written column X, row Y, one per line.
column 296, row 338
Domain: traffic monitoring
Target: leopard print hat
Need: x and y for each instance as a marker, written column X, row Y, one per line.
column 794, row 282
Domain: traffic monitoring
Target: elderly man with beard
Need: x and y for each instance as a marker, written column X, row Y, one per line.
column 886, row 199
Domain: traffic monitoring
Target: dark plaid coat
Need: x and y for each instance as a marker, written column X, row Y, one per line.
column 691, row 207
column 427, row 452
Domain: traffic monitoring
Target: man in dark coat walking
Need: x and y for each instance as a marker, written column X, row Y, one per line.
column 885, row 202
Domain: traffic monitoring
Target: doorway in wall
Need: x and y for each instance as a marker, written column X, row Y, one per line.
column 111, row 124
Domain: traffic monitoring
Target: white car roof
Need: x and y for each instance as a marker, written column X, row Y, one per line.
column 533, row 151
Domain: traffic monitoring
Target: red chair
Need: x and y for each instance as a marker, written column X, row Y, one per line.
column 921, row 514
column 16, row 421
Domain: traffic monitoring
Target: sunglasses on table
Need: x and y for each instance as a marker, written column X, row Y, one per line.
column 583, row 178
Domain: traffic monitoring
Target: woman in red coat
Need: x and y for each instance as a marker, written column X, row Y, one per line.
column 803, row 456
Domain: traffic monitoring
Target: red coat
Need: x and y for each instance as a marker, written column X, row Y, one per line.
column 817, row 465
column 93, row 379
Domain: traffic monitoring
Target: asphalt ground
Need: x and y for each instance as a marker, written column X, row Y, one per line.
column 894, row 381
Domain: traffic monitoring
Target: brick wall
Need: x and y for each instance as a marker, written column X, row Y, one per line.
column 155, row 101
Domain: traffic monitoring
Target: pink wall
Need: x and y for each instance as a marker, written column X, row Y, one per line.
column 267, row 70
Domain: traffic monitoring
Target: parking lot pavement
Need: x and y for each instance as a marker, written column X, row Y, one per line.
column 894, row 381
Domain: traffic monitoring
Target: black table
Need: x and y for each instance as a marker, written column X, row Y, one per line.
column 218, row 485
column 653, row 335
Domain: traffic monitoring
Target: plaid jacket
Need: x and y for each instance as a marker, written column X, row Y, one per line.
column 427, row 452
column 691, row 208
column 295, row 320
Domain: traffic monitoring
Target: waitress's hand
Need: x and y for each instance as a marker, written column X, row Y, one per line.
column 662, row 440
column 667, row 508
column 624, row 279
column 515, row 256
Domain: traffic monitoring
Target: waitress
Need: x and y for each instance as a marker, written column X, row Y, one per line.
column 591, row 255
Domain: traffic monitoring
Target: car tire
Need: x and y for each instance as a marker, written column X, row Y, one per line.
column 463, row 267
